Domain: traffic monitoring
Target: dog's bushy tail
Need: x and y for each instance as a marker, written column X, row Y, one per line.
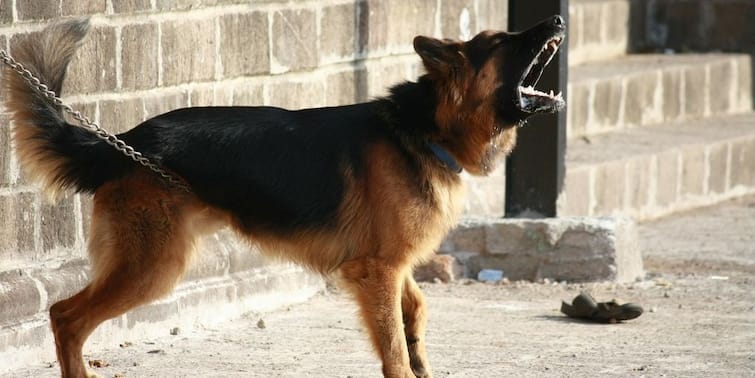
column 59, row 155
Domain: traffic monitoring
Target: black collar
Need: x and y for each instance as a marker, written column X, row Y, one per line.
column 445, row 157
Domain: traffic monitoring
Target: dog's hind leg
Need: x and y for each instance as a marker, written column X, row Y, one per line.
column 414, row 312
column 376, row 285
column 139, row 248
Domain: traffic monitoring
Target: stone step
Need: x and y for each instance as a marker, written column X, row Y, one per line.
column 598, row 29
column 649, row 172
column 642, row 90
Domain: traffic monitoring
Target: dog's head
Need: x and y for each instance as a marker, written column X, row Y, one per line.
column 485, row 88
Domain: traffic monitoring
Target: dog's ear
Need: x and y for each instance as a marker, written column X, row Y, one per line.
column 438, row 55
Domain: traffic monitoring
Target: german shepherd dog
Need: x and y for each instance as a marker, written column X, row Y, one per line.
column 362, row 192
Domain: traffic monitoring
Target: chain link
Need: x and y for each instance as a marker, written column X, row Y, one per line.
column 98, row 131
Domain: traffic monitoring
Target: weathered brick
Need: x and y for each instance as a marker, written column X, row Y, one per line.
column 672, row 105
column 638, row 183
column 120, row 115
column 131, row 6
column 579, row 192
column 693, row 171
column 297, row 95
column 695, row 91
column 718, row 157
column 164, row 102
column 607, row 103
column 37, row 10
column 188, row 51
column 248, row 95
column 139, row 49
column 492, row 15
column 742, row 167
column 616, row 22
column 380, row 77
column 458, row 19
column 574, row 37
column 347, row 87
column 6, row 12
column 18, row 220
column 182, row 4
column 202, row 96
column 78, row 7
column 294, row 42
column 668, row 178
column 579, row 109
column 93, row 68
column 339, row 30
column 244, row 47
column 5, row 150
column 610, row 182
column 745, row 91
column 86, row 214
column 721, row 87
column 20, row 299
column 392, row 25
column 592, row 16
column 58, row 224
column 639, row 100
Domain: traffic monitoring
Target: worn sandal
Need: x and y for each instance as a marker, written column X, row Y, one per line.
column 584, row 307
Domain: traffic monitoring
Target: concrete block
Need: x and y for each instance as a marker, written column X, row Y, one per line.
column 745, row 86
column 667, row 178
column 6, row 13
column 579, row 109
column 616, row 22
column 569, row 249
column 58, row 227
column 607, row 103
column 248, row 95
column 131, row 6
column 693, row 171
column 468, row 236
column 592, row 19
column 640, row 98
column 444, row 268
column 492, row 15
column 28, row 10
column 610, row 183
column 188, row 51
column 93, row 67
column 78, row 7
column 458, row 19
column 638, row 183
column 244, row 46
column 695, row 91
column 5, row 150
column 346, row 87
column 163, row 103
column 721, row 88
column 672, row 94
column 139, row 50
column 294, row 43
column 742, row 158
column 297, row 95
column 120, row 115
column 718, row 161
column 338, row 32
column 19, row 297
column 579, row 192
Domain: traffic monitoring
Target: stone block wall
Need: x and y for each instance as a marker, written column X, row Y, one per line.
column 146, row 57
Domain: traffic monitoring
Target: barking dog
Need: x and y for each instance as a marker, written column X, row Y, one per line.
column 363, row 191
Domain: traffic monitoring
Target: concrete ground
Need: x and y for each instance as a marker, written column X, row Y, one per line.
column 699, row 321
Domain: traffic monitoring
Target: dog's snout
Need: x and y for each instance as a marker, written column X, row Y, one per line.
column 558, row 20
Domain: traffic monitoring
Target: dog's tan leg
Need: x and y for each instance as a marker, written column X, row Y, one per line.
column 376, row 285
column 414, row 312
column 139, row 249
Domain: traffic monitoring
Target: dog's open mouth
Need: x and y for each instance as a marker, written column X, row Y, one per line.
column 532, row 100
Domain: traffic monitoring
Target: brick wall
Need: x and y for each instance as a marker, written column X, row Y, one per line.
column 145, row 57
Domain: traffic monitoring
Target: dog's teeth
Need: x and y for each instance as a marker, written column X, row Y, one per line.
column 550, row 93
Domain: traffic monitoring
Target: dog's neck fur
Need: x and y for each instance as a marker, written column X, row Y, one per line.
column 412, row 106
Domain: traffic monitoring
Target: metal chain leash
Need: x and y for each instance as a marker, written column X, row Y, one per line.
column 98, row 131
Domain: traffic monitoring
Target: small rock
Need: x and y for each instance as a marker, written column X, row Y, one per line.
column 653, row 309
column 156, row 351
column 98, row 363
column 175, row 331
column 666, row 295
column 125, row 344
column 445, row 268
column 261, row 324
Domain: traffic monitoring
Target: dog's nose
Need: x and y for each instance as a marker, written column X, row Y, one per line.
column 558, row 20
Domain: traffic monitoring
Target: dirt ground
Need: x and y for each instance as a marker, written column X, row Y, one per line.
column 699, row 321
